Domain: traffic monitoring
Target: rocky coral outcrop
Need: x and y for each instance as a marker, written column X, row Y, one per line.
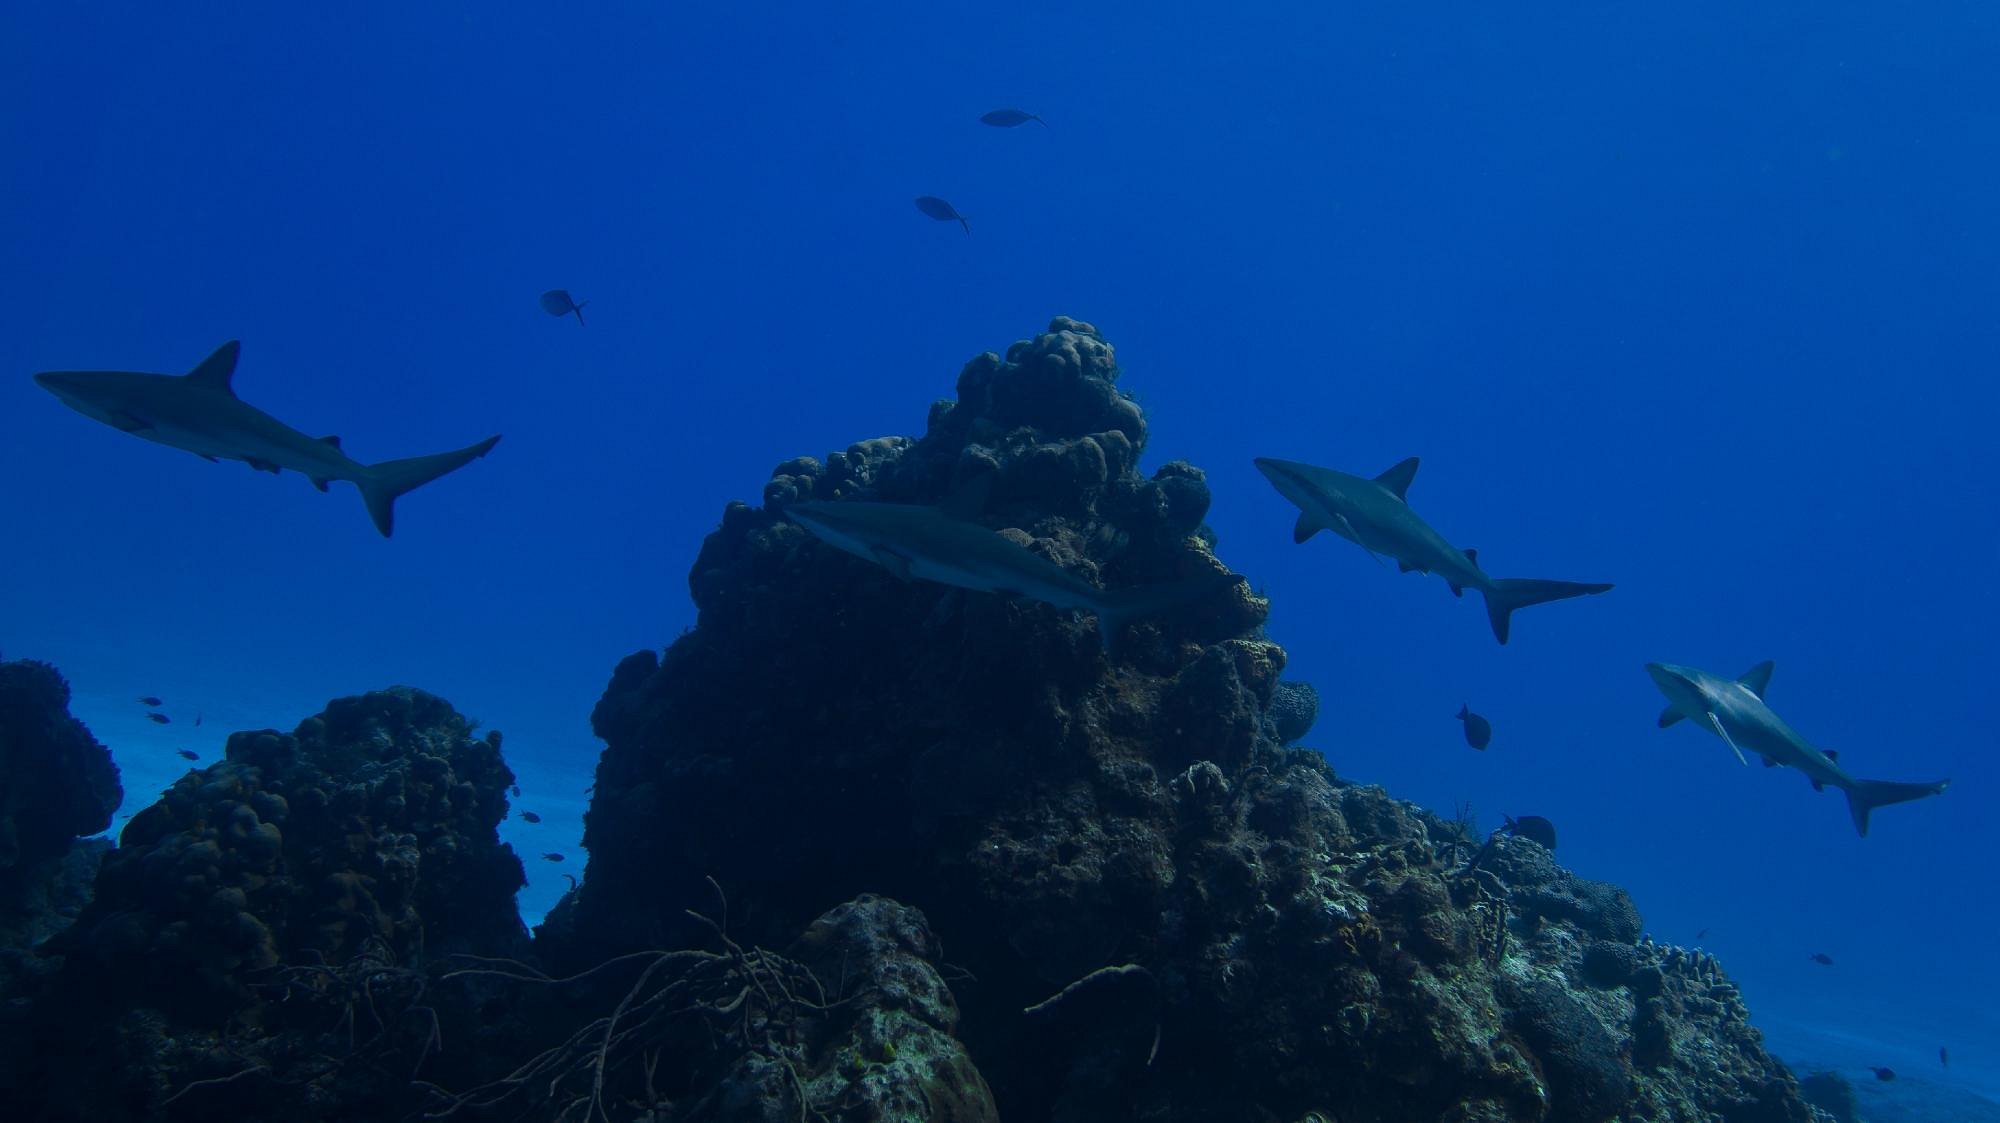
column 260, row 940
column 1292, row 946
column 56, row 784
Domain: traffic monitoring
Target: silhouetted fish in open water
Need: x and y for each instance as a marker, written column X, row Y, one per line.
column 190, row 754
column 1823, row 959
column 1944, row 1058
column 557, row 302
column 1478, row 731
column 552, row 856
column 149, row 700
column 1008, row 118
column 1882, row 1073
column 158, row 719
column 197, row 721
column 1532, row 826
column 942, row 211
column 514, row 790
column 530, row 817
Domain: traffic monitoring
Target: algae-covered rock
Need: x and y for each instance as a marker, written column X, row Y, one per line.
column 56, row 784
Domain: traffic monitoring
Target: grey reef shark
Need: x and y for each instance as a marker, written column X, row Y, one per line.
column 1734, row 710
column 947, row 544
column 1375, row 515
column 199, row 412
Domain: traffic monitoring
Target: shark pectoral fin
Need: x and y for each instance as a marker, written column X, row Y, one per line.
column 1306, row 527
column 1669, row 716
column 1715, row 723
column 215, row 371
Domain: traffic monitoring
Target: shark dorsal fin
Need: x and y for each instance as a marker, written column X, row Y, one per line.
column 214, row 371
column 968, row 500
column 1757, row 678
column 1398, row 479
column 334, row 441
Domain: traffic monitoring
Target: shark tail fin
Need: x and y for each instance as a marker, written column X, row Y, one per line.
column 1867, row 795
column 1116, row 608
column 1510, row 593
column 392, row 478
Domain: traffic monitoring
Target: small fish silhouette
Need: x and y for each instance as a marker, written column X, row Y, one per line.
column 197, row 721
column 1008, row 118
column 158, row 719
column 942, row 211
column 514, row 790
column 190, row 754
column 1701, row 935
column 149, row 700
column 1534, row 827
column 557, row 302
column 1823, row 959
column 1882, row 1073
column 552, row 856
column 1944, row 1058
column 531, row 817
column 1478, row 731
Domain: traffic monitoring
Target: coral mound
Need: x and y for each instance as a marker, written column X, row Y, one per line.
column 1169, row 915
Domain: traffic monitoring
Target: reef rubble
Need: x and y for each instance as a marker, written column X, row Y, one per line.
column 870, row 849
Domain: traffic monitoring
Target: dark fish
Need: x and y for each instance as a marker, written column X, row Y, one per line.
column 190, row 754
column 1008, row 118
column 942, row 211
column 149, row 700
column 1882, row 1073
column 197, row 721
column 1478, row 731
column 158, row 719
column 1534, row 827
column 530, row 816
column 552, row 856
column 514, row 790
column 557, row 302
column 1701, row 935
column 1823, row 959
column 1944, row 1058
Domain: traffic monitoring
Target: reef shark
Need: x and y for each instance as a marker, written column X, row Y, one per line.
column 200, row 413
column 944, row 544
column 1373, row 514
column 1734, row 710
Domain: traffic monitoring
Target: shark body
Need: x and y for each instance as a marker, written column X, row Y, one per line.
column 1373, row 514
column 920, row 542
column 1735, row 711
column 199, row 412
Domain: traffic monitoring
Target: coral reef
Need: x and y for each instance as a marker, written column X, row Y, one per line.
column 1285, row 945
column 56, row 784
column 258, row 942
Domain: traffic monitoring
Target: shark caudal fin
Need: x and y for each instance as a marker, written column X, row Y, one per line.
column 1116, row 608
column 1510, row 593
column 1867, row 795
column 391, row 478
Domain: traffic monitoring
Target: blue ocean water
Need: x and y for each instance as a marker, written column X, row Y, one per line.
column 1697, row 299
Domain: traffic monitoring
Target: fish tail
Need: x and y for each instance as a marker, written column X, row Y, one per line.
column 1866, row 795
column 578, row 309
column 1116, row 608
column 1509, row 593
column 391, row 478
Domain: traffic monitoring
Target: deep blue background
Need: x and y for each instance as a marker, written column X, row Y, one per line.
column 1696, row 300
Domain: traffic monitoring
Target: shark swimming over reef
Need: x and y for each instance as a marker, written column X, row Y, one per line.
column 1734, row 710
column 944, row 544
column 200, row 413
column 1373, row 514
